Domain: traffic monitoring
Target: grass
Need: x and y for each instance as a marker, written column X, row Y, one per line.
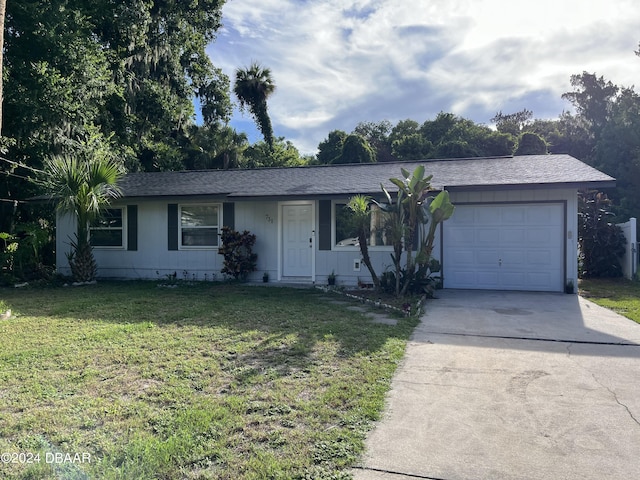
column 196, row 382
column 621, row 296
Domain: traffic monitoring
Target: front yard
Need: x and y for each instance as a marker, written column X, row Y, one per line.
column 621, row 296
column 132, row 381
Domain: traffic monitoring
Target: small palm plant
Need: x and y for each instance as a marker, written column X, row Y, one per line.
column 360, row 205
column 82, row 185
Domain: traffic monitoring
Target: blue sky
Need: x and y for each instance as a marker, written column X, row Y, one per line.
column 338, row 62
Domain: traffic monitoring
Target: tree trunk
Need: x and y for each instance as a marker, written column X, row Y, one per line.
column 3, row 8
column 364, row 250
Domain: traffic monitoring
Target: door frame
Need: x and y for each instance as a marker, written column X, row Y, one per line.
column 281, row 205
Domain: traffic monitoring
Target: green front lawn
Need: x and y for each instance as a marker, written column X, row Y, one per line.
column 621, row 296
column 197, row 382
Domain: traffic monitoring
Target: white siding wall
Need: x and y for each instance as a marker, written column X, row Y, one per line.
column 65, row 230
column 153, row 259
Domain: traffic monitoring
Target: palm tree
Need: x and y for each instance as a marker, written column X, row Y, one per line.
column 360, row 208
column 252, row 87
column 82, row 187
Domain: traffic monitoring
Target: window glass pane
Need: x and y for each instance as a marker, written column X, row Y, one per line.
column 199, row 216
column 110, row 218
column 106, row 238
column 106, row 231
column 346, row 229
column 200, row 237
column 378, row 234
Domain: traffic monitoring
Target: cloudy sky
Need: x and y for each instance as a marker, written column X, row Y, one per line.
column 339, row 62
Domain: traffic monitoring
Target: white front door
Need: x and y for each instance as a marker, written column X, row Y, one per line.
column 297, row 240
column 505, row 247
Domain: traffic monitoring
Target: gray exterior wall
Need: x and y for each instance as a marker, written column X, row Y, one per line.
column 153, row 260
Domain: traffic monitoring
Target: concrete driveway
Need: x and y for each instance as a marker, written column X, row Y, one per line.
column 510, row 385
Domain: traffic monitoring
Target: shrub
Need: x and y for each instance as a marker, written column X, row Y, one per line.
column 601, row 242
column 237, row 248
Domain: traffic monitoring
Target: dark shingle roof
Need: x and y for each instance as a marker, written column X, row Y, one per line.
column 498, row 172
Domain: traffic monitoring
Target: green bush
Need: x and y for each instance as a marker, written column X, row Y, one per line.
column 237, row 248
column 601, row 243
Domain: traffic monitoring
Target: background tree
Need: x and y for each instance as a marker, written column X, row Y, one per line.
column 411, row 147
column 214, row 146
column 592, row 99
column 281, row 154
column 617, row 153
column 377, row 136
column 531, row 144
column 331, row 148
column 355, row 149
column 253, row 86
column 133, row 68
column 610, row 115
column 513, row 123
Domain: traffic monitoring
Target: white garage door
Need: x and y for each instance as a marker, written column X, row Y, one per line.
column 505, row 247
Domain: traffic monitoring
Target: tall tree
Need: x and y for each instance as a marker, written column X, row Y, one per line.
column 513, row 123
column 377, row 136
column 592, row 98
column 3, row 9
column 331, row 148
column 356, row 149
column 131, row 67
column 531, row 144
column 253, row 86
column 282, row 153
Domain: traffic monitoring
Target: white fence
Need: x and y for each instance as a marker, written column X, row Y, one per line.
column 630, row 258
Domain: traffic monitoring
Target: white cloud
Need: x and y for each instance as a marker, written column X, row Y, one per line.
column 338, row 62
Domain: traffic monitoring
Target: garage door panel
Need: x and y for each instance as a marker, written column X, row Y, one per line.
column 487, row 236
column 540, row 281
column 511, row 258
column 509, row 247
column 487, row 217
column 513, row 236
column 545, row 215
column 538, row 258
column 541, row 235
column 489, row 280
column 518, row 280
column 465, row 257
column 513, row 216
column 466, row 217
column 460, row 236
column 487, row 258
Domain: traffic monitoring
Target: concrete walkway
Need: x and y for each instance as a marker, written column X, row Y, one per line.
column 501, row 385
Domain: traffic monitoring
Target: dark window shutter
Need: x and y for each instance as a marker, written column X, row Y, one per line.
column 172, row 222
column 132, row 227
column 229, row 215
column 324, row 235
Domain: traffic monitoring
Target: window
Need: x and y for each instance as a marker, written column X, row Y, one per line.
column 108, row 230
column 199, row 225
column 346, row 230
